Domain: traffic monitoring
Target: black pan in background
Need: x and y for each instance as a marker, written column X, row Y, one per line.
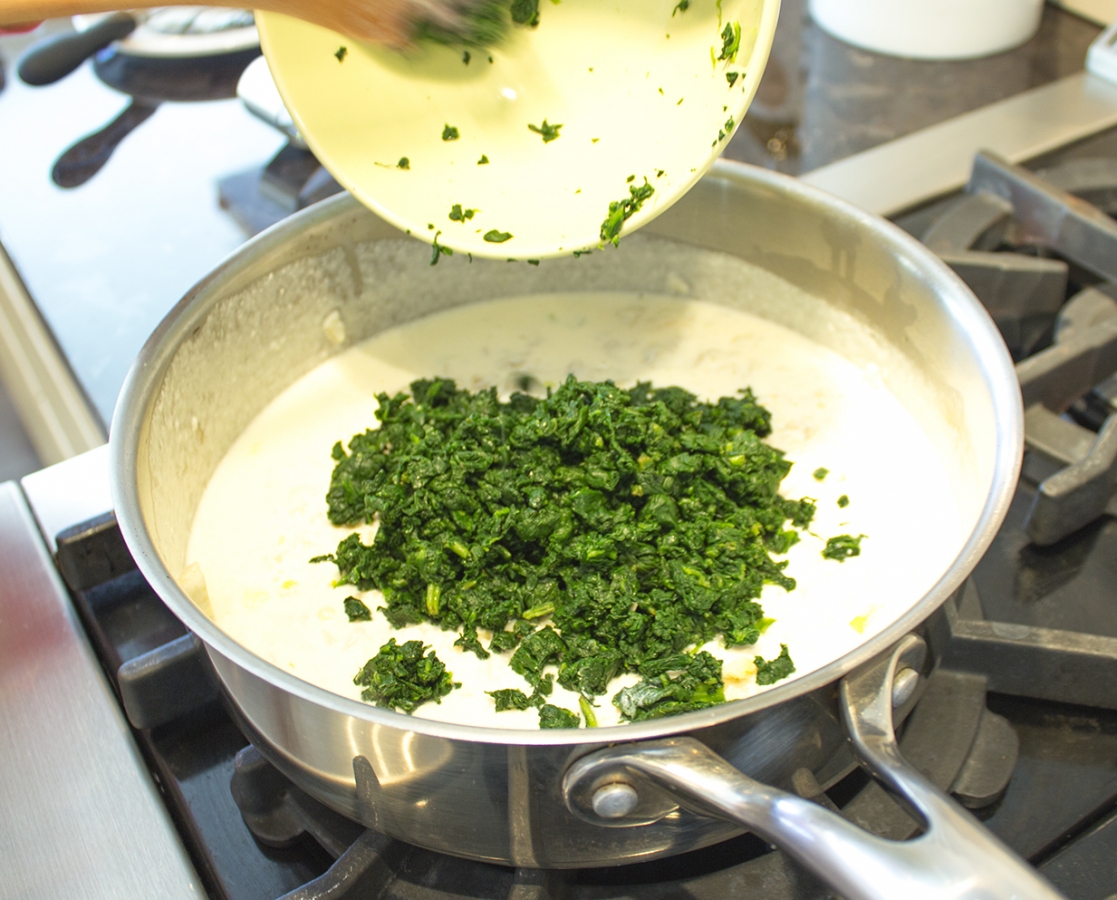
column 150, row 81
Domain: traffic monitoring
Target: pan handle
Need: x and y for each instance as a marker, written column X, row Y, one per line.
column 954, row 857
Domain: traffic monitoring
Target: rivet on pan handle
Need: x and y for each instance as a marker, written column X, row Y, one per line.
column 954, row 857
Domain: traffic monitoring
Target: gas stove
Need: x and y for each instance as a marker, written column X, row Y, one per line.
column 119, row 741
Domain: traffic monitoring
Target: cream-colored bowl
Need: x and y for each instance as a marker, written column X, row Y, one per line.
column 636, row 85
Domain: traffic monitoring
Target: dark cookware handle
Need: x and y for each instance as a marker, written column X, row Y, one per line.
column 56, row 57
column 955, row 857
column 86, row 158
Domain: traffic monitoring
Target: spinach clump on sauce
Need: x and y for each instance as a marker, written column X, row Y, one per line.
column 594, row 532
column 404, row 676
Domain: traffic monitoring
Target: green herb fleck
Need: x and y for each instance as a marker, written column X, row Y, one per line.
column 466, row 57
column 356, row 610
column 769, row 672
column 730, row 124
column 483, row 161
column 450, row 133
column 549, row 132
column 578, row 253
column 401, row 677
column 843, row 547
column 732, row 77
column 820, row 473
column 404, row 163
column 342, row 52
column 534, row 262
column 593, row 532
column 620, row 211
column 557, row 717
column 496, row 237
column 457, row 214
column 438, row 251
column 843, row 501
column 730, row 42
column 681, row 6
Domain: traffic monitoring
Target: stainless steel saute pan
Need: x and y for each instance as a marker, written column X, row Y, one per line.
column 578, row 798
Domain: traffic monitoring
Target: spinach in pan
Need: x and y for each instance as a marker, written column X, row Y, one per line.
column 592, row 532
column 404, row 676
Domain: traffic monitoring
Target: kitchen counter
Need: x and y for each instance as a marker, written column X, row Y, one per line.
column 105, row 261
column 822, row 100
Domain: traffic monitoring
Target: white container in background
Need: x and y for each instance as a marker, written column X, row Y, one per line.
column 930, row 29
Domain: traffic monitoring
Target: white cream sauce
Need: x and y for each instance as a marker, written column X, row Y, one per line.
column 263, row 515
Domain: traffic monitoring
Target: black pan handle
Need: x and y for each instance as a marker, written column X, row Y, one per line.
column 56, row 57
column 86, row 158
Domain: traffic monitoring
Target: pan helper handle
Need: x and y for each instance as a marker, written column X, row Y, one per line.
column 955, row 857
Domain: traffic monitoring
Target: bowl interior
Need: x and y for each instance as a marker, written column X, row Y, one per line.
column 637, row 87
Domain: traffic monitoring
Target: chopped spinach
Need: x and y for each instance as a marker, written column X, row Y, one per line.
column 496, row 237
column 843, row 547
column 484, row 24
column 450, row 133
column 437, row 250
column 681, row 6
column 549, row 132
column 356, row 610
column 620, row 211
column 404, row 163
column 732, row 77
column 556, row 717
column 480, row 24
column 595, row 531
column 769, row 672
column 843, row 501
column 483, row 161
column 510, row 698
column 401, row 677
column 730, row 42
column 341, row 53
column 466, row 57
column 587, row 712
column 457, row 214
column 820, row 473
column 674, row 684
column 525, row 12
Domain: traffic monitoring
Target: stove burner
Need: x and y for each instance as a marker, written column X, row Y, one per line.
column 150, row 81
column 1009, row 207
